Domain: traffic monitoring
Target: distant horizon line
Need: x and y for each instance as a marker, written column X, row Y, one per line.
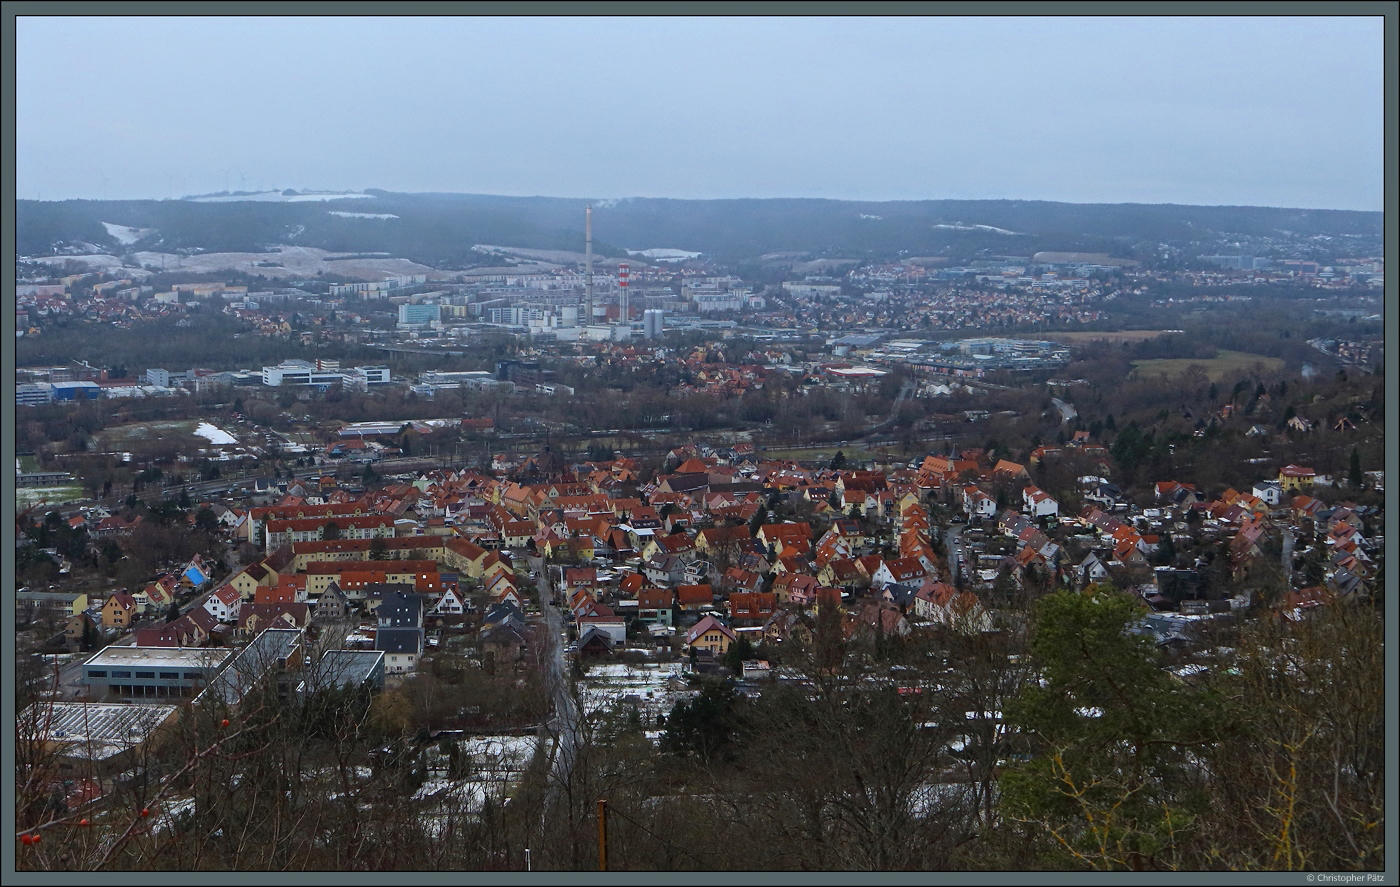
column 609, row 202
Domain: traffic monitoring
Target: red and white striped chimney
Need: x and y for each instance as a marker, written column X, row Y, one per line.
column 622, row 307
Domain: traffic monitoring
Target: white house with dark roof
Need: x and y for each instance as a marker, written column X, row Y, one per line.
column 402, row 647
column 1271, row 491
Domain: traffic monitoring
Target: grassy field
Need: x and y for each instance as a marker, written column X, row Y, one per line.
column 1112, row 338
column 177, row 429
column 1223, row 363
column 27, row 496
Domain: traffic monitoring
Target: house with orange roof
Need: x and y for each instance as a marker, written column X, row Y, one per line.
column 751, row 608
column 464, row 556
column 677, row 544
column 1039, row 503
column 795, row 589
column 739, row 579
column 875, row 619
column 694, row 465
column 791, row 563
column 708, row 540
column 797, row 535
column 159, row 595
column 842, row 573
column 830, row 546
column 1009, row 471
column 902, row 571
column 695, row 597
column 253, row 619
column 977, row 503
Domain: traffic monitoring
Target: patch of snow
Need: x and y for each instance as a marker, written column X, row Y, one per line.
column 99, row 261
column 934, row 796
column 467, row 795
column 214, row 435
column 125, row 234
column 959, row 226
column 363, row 215
column 48, row 495
column 501, row 752
column 276, row 197
column 664, row 255
column 432, row 787
column 869, row 216
column 170, row 811
column 291, row 261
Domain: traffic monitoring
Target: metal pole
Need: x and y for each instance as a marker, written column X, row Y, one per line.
column 527, row 859
column 588, row 264
column 602, row 835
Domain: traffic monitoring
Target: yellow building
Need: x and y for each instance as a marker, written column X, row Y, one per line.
column 710, row 634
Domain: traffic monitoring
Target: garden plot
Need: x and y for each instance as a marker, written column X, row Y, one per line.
column 500, row 754
column 496, row 764
column 611, row 683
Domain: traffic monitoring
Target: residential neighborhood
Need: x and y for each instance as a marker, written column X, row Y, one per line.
column 502, row 482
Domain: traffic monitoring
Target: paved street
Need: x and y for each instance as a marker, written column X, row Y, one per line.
column 955, row 549
column 562, row 726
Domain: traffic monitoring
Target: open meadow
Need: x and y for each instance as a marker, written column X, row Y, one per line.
column 1224, row 363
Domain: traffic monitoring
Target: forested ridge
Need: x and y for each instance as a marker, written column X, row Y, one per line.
column 440, row 229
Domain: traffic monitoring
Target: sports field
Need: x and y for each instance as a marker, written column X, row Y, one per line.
column 1224, row 363
column 56, row 495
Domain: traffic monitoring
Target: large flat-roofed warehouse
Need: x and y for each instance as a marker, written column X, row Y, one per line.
column 154, row 673
column 83, row 735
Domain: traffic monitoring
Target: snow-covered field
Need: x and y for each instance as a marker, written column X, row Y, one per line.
column 959, row 226
column 276, row 197
column 99, row 261
column 363, row 215
column 291, row 261
column 125, row 234
column 214, row 434
column 26, row 496
column 500, row 753
column 664, row 255
column 604, row 685
column 468, row 793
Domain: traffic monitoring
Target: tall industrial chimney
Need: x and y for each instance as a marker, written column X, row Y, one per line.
column 622, row 271
column 588, row 264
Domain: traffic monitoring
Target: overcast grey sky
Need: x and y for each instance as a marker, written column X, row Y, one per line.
column 1255, row 111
